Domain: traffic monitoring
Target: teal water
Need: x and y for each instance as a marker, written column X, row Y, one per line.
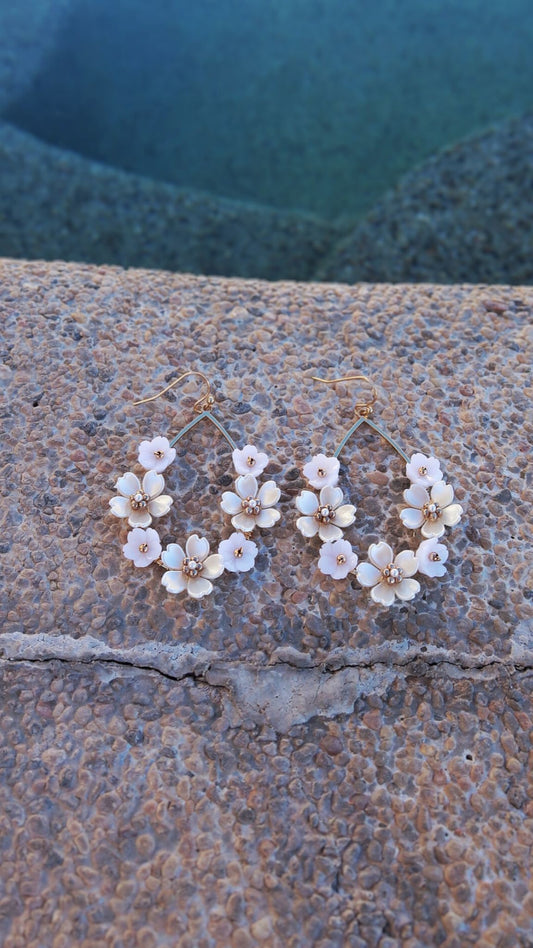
column 313, row 104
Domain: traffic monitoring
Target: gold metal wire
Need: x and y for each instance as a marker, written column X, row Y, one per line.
column 204, row 403
column 361, row 409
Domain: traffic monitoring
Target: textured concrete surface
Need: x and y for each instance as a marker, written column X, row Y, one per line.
column 463, row 216
column 283, row 763
column 56, row 205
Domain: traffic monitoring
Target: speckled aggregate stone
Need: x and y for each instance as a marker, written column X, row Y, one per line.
column 135, row 815
column 80, row 344
column 283, row 763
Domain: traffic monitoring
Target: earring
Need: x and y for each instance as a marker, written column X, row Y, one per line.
column 430, row 509
column 192, row 569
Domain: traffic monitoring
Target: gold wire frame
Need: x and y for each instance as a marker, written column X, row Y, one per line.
column 363, row 410
column 202, row 405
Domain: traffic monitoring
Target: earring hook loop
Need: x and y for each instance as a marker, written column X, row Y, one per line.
column 204, row 403
column 361, row 409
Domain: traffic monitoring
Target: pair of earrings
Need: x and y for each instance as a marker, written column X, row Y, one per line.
column 323, row 513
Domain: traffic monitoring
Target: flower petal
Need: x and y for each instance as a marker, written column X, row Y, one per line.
column 231, row 503
column 140, row 518
column 246, row 486
column 307, row 502
column 246, row 553
column 345, row 515
column 368, row 575
column 411, row 518
column 407, row 562
column 153, row 484
column 407, row 589
column 331, row 496
column 199, row 587
column 380, row 554
column 173, row 556
column 267, row 518
column 432, row 468
column 321, row 470
column 249, row 460
column 244, row 522
column 197, row 546
column 308, row 526
column 174, row 581
column 120, row 506
column 160, row 505
column 269, row 494
column 148, row 457
column 329, row 532
column 452, row 514
column 383, row 593
column 128, row 484
column 416, row 496
column 433, row 528
column 213, row 566
column 442, row 494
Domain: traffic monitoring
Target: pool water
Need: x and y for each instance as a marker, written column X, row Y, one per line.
column 319, row 105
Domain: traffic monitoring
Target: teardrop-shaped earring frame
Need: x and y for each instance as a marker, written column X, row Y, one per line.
column 389, row 577
column 192, row 569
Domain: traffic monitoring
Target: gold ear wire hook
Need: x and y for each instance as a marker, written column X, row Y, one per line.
column 204, row 403
column 362, row 409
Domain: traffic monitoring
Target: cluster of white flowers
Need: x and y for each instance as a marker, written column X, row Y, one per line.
column 431, row 509
column 191, row 570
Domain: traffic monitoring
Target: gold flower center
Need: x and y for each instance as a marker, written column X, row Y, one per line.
column 435, row 557
column 251, row 506
column 159, row 454
column 392, row 574
column 321, row 472
column 250, row 461
column 191, row 566
column 143, row 548
column 431, row 511
column 341, row 559
column 422, row 471
column 140, row 500
column 325, row 514
column 238, row 552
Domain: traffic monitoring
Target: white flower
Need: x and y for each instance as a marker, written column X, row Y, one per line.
column 389, row 576
column 191, row 570
column 156, row 455
column 143, row 546
column 337, row 559
column 251, row 507
column 249, row 460
column 424, row 471
column 431, row 556
column 327, row 517
column 238, row 554
column 322, row 471
column 139, row 503
column 431, row 513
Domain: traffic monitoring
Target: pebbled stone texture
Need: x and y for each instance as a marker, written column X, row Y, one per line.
column 135, row 815
column 283, row 763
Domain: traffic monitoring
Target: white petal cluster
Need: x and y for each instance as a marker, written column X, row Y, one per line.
column 249, row 460
column 140, row 502
column 389, row 576
column 251, row 506
column 431, row 512
column 325, row 515
column 156, row 455
column 191, row 570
